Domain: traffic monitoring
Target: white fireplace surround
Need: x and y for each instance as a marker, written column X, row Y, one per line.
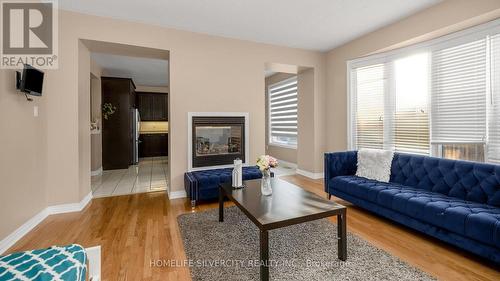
column 216, row 114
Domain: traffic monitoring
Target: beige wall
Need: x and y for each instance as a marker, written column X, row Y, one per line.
column 96, row 138
column 46, row 160
column 444, row 18
column 95, row 90
column 96, row 154
column 23, row 153
column 306, row 122
column 84, row 150
column 282, row 153
column 200, row 77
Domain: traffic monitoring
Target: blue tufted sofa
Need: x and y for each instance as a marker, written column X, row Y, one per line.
column 204, row 185
column 455, row 201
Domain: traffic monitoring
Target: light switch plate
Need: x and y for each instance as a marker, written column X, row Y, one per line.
column 35, row 110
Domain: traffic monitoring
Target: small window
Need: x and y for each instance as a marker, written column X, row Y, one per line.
column 282, row 100
column 461, row 151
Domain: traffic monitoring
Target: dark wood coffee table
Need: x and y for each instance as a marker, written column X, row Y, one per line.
column 288, row 205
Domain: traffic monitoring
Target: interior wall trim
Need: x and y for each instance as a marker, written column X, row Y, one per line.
column 177, row 194
column 97, row 172
column 21, row 231
column 310, row 175
column 286, row 163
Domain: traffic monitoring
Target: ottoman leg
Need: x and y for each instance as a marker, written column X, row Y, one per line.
column 193, row 204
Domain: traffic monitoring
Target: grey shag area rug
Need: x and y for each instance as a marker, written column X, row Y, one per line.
column 308, row 251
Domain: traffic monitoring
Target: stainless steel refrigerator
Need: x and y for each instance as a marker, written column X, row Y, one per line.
column 136, row 127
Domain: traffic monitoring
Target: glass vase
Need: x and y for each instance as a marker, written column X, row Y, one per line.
column 265, row 184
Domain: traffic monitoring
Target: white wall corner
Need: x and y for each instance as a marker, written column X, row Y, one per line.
column 310, row 175
column 286, row 163
column 21, row 231
column 71, row 207
column 97, row 172
column 177, row 194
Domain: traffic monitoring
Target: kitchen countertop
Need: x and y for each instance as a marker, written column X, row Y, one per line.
column 152, row 132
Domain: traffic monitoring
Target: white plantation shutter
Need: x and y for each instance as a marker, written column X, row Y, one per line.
column 493, row 142
column 283, row 112
column 410, row 94
column 369, row 85
column 440, row 97
column 459, row 93
column 391, row 105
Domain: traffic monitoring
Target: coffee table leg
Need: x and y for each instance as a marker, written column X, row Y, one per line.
column 264, row 255
column 221, row 204
column 342, row 236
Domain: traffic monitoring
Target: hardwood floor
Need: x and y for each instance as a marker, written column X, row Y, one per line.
column 135, row 230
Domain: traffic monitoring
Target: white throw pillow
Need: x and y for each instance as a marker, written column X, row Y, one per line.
column 375, row 164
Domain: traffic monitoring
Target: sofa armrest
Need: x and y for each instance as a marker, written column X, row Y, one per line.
column 339, row 164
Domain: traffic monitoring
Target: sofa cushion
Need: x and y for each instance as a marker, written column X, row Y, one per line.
column 375, row 164
column 471, row 181
column 360, row 187
column 474, row 220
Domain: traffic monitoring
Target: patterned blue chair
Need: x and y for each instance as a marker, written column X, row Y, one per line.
column 67, row 263
column 204, row 185
column 455, row 201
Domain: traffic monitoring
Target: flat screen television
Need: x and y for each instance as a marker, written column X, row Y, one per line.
column 31, row 81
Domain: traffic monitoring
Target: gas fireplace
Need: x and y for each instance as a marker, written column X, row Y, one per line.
column 217, row 140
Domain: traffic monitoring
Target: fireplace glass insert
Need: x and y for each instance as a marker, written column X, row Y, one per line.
column 218, row 140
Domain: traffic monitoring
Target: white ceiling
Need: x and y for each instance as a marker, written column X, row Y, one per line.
column 308, row 24
column 143, row 71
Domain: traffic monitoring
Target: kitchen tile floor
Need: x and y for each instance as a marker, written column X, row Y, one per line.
column 149, row 175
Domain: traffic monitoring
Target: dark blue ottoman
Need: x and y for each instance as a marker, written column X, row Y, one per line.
column 204, row 185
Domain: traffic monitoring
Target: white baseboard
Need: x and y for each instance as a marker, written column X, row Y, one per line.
column 71, row 207
column 286, row 163
column 311, row 175
column 15, row 236
column 12, row 238
column 97, row 172
column 94, row 258
column 177, row 194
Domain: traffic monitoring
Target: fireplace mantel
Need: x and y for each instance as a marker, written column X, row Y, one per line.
column 246, row 146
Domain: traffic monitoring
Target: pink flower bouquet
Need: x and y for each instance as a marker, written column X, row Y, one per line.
column 265, row 162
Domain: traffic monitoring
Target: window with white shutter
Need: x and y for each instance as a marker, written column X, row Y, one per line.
column 459, row 100
column 440, row 97
column 282, row 100
column 493, row 140
column 369, row 103
column 411, row 104
column 391, row 105
column 459, row 94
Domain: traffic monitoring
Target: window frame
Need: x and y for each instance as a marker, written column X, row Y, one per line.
column 453, row 39
column 268, row 101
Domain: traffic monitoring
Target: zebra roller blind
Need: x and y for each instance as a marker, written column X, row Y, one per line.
column 282, row 100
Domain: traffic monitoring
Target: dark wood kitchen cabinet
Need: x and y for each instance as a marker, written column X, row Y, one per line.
column 152, row 106
column 152, row 145
column 144, row 104
column 117, row 130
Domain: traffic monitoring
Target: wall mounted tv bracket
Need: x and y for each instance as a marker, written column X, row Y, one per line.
column 18, row 85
